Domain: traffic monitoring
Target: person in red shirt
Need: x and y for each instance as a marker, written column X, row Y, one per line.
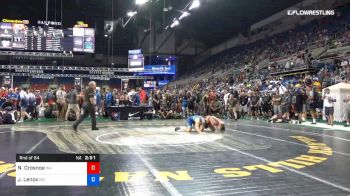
column 3, row 96
column 143, row 96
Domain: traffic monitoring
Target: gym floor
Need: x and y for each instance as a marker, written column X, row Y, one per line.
column 150, row 158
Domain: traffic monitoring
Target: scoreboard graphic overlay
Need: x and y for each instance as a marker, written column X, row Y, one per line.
column 57, row 170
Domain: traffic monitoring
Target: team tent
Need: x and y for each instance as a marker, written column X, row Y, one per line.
column 340, row 91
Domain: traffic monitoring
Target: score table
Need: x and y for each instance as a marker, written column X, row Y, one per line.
column 57, row 170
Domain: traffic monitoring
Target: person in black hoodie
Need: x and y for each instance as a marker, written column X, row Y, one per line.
column 243, row 102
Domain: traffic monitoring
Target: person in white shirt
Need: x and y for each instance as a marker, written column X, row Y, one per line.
column 328, row 102
column 61, row 96
column 23, row 97
column 226, row 98
column 347, row 109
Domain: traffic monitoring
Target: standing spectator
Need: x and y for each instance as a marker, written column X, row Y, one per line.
column 49, row 98
column 61, row 96
column 13, row 98
column 254, row 104
column 136, row 99
column 286, row 104
column 216, row 108
column 150, row 99
column 211, row 96
column 143, row 96
column 72, row 98
column 117, row 98
column 347, row 106
column 31, row 103
column 191, row 102
column 108, row 101
column 156, row 103
column 98, row 101
column 204, row 105
column 276, row 103
column 266, row 105
column 23, row 104
column 313, row 97
column 328, row 102
column 38, row 104
column 233, row 105
column 184, row 105
column 243, row 101
column 298, row 100
column 3, row 96
column 227, row 96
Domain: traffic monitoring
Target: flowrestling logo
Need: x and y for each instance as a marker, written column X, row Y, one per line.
column 310, row 12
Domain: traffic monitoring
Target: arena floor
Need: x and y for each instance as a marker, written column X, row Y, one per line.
column 149, row 158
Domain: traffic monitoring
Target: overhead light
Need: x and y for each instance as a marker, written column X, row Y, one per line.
column 131, row 14
column 183, row 15
column 141, row 2
column 195, row 4
column 175, row 23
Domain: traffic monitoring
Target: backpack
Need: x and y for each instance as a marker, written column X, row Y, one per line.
column 7, row 118
column 71, row 116
column 48, row 113
column 115, row 116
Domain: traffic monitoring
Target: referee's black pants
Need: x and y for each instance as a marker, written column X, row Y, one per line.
column 88, row 109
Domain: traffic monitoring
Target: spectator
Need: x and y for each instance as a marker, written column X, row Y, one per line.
column 98, row 101
column 328, row 101
column 233, row 105
column 23, row 104
column 143, row 96
column 254, row 104
column 31, row 103
column 108, row 101
column 72, row 99
column 13, row 97
column 61, row 96
column 243, row 101
column 347, row 110
column 216, row 107
column 184, row 105
column 276, row 102
column 38, row 104
column 266, row 102
column 286, row 104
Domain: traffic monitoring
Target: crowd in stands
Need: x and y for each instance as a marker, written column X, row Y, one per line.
column 238, row 83
column 248, row 71
column 278, row 99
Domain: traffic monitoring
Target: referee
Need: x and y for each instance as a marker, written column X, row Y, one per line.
column 88, row 107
